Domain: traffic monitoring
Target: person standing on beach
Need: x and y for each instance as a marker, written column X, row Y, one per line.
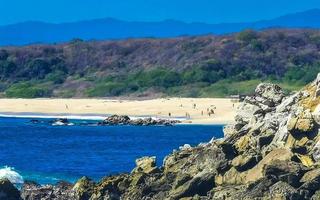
column 212, row 111
column 187, row 115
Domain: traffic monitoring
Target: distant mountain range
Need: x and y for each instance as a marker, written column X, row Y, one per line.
column 108, row 28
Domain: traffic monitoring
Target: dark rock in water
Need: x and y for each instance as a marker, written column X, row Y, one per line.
column 61, row 122
column 116, row 120
column 271, row 151
column 125, row 120
column 35, row 121
column 8, row 191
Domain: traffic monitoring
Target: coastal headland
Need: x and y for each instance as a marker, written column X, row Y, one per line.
column 270, row 151
column 188, row 110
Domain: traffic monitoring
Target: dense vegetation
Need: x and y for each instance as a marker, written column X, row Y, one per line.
column 207, row 66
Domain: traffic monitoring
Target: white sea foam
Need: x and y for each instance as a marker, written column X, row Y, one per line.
column 80, row 117
column 9, row 173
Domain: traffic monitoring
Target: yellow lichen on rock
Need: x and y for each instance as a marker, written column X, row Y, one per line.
column 293, row 142
column 257, row 172
column 310, row 175
column 145, row 165
column 243, row 143
column 240, row 160
column 302, row 122
column 305, row 160
column 310, row 102
column 290, row 141
column 302, row 142
column 234, row 177
column 292, row 123
column 304, row 125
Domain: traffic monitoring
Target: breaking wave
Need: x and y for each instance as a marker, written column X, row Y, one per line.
column 9, row 173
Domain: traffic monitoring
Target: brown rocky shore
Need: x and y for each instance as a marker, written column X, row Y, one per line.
column 271, row 151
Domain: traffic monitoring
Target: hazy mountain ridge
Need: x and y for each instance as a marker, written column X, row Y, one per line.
column 108, row 28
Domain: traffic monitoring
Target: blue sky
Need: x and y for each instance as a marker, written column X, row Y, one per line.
column 210, row 11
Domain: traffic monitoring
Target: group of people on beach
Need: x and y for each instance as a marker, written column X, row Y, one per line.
column 210, row 111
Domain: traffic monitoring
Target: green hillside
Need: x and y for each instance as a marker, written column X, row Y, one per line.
column 204, row 66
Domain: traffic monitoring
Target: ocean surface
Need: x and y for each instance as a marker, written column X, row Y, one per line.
column 47, row 154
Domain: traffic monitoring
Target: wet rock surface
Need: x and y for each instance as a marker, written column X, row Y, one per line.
column 61, row 122
column 271, row 151
column 125, row 120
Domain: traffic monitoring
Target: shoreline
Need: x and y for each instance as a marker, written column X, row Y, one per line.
column 94, row 117
column 88, row 116
column 187, row 110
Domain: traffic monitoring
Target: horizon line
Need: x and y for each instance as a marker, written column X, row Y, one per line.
column 151, row 21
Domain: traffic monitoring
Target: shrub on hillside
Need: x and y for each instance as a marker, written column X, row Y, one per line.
column 247, row 35
column 26, row 90
column 107, row 89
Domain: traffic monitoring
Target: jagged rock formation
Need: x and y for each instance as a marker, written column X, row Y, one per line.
column 125, row 120
column 272, row 151
column 60, row 191
column 113, row 120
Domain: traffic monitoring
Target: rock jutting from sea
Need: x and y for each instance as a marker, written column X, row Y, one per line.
column 113, row 120
column 126, row 120
column 271, row 151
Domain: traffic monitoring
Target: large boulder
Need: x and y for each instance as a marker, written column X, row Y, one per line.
column 8, row 191
column 233, row 176
column 311, row 180
column 200, row 184
column 117, row 120
column 112, row 187
column 272, row 93
column 146, row 165
column 282, row 190
column 245, row 162
column 84, row 188
column 301, row 122
column 246, row 111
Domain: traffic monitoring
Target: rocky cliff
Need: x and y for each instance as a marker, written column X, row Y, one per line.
column 272, row 151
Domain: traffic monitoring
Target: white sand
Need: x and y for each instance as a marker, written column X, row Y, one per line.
column 178, row 107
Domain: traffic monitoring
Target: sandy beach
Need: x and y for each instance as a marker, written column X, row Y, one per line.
column 191, row 110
